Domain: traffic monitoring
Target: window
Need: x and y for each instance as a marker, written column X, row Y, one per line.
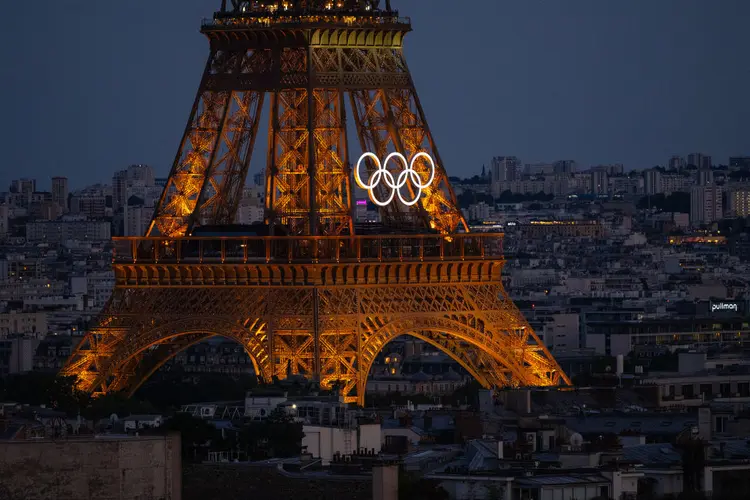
column 725, row 390
column 687, row 391
column 721, row 424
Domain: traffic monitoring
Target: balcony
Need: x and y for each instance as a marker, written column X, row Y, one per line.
column 305, row 20
column 307, row 249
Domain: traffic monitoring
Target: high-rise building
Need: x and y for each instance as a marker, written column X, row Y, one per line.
column 259, row 179
column 673, row 183
column 699, row 160
column 599, row 180
column 504, row 168
column 564, row 166
column 134, row 175
column 136, row 217
column 90, row 205
column 23, row 189
column 3, row 222
column 739, row 201
column 705, row 177
column 739, row 162
column 119, row 189
column 536, row 169
column 60, row 191
column 612, row 170
column 23, row 186
column 651, row 182
column 705, row 204
column 676, row 162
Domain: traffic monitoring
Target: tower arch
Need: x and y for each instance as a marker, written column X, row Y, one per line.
column 125, row 365
column 485, row 357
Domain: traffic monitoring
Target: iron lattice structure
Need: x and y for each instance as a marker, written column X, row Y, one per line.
column 312, row 297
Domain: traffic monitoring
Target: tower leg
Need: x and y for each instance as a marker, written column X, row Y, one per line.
column 307, row 171
column 141, row 328
column 209, row 170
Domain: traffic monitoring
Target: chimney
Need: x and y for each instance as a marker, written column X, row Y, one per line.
column 385, row 482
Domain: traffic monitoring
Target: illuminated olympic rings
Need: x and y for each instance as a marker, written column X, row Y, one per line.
column 408, row 174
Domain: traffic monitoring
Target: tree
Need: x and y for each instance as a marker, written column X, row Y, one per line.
column 277, row 436
column 171, row 390
column 118, row 403
column 412, row 487
column 196, row 434
column 37, row 388
column 284, row 434
column 675, row 202
column 467, row 394
column 494, row 492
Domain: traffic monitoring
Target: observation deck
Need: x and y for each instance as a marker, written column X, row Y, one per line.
column 307, row 260
column 321, row 14
column 322, row 20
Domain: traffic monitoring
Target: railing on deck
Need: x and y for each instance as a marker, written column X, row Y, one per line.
column 265, row 20
column 306, row 249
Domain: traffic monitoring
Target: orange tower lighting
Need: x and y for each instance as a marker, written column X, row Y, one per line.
column 309, row 291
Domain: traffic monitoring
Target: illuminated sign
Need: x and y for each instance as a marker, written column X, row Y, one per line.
column 724, row 306
column 408, row 174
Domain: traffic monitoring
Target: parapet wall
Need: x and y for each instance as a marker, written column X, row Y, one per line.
column 229, row 481
column 125, row 468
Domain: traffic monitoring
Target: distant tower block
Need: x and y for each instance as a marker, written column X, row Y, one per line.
column 309, row 292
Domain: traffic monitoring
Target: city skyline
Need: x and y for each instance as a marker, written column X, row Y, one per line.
column 640, row 83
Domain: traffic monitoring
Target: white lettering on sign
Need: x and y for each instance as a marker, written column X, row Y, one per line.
column 723, row 306
column 408, row 174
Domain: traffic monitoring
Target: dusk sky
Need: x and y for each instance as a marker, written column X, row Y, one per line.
column 90, row 87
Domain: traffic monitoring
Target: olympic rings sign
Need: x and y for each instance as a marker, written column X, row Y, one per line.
column 406, row 175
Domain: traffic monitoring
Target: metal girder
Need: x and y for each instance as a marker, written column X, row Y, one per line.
column 325, row 302
column 284, row 334
column 308, row 172
column 208, row 174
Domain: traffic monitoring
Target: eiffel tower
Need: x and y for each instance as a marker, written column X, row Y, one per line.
column 309, row 291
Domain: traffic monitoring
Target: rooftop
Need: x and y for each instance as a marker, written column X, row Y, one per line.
column 642, row 423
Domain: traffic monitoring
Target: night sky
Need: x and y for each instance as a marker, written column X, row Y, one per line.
column 91, row 87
